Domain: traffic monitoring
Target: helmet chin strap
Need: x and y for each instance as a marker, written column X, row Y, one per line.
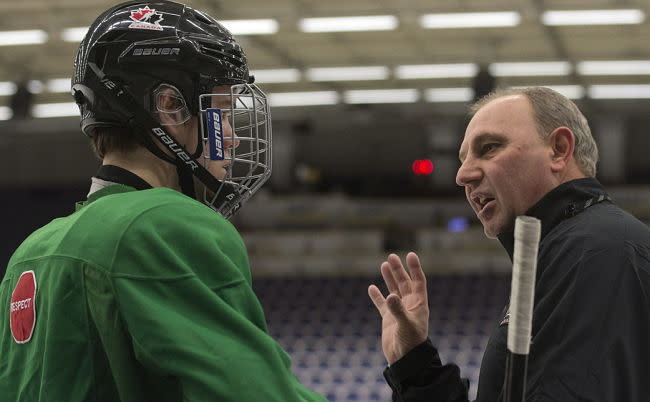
column 186, row 181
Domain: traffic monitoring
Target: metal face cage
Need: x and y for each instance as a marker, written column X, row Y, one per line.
column 237, row 143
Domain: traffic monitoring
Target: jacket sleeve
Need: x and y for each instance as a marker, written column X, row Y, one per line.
column 182, row 291
column 420, row 376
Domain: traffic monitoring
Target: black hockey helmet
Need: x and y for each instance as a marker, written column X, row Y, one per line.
column 143, row 44
column 135, row 47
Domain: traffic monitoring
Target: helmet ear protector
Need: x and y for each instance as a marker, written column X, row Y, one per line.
column 114, row 92
column 169, row 106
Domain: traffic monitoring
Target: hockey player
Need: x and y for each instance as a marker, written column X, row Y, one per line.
column 144, row 293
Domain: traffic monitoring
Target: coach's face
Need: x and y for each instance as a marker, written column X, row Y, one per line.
column 505, row 164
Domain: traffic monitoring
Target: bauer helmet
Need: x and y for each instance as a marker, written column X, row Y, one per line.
column 136, row 49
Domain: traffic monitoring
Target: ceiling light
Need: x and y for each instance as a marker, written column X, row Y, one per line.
column 619, row 91
column 348, row 24
column 303, row 98
column 58, row 85
column 55, row 110
column 570, row 91
column 448, row 94
column 27, row 37
column 5, row 113
column 436, row 71
column 35, row 86
column 530, row 68
column 7, row 88
column 348, row 73
column 470, row 20
column 74, row 34
column 382, row 96
column 276, row 75
column 618, row 67
column 593, row 17
column 266, row 26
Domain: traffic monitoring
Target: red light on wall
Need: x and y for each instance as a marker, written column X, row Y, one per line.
column 422, row 167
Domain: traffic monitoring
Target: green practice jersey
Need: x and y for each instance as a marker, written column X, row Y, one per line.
column 137, row 296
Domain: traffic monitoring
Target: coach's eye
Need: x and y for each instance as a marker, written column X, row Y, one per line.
column 489, row 147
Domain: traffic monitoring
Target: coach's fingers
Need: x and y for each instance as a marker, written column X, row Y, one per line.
column 400, row 275
column 417, row 275
column 377, row 299
column 389, row 278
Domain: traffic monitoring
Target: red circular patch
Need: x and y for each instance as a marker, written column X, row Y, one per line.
column 23, row 311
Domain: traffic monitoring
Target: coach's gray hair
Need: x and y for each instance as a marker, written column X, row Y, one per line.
column 552, row 110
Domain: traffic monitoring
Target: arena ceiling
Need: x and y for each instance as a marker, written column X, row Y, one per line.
column 404, row 56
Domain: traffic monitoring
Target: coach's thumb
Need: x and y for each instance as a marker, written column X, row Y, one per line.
column 396, row 307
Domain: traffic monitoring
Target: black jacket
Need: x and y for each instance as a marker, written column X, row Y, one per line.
column 591, row 317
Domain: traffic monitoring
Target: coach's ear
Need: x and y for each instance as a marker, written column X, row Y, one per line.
column 562, row 143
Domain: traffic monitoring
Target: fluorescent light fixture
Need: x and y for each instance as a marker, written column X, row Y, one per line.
column 593, row 17
column 276, row 75
column 75, row 34
column 470, row 20
column 35, row 86
column 461, row 70
column 7, row 88
column 58, row 85
column 448, row 94
column 5, row 113
column 382, row 96
column 27, row 37
column 530, row 69
column 349, row 24
column 348, row 73
column 55, row 110
column 264, row 26
column 618, row 67
column 619, row 91
column 570, row 91
column 303, row 98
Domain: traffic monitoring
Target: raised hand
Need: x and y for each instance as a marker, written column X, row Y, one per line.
column 405, row 311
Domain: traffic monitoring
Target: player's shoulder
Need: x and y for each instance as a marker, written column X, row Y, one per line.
column 137, row 207
column 122, row 219
column 138, row 201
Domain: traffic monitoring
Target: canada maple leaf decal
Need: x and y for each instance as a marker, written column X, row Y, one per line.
column 146, row 18
column 145, row 15
column 141, row 14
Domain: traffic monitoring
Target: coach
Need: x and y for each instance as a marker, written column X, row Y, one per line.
column 530, row 152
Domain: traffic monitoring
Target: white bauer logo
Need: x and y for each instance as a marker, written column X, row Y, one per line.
column 216, row 124
column 156, row 51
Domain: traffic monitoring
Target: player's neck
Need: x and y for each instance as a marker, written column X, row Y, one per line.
column 145, row 165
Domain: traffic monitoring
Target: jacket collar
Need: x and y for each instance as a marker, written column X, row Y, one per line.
column 114, row 180
column 564, row 201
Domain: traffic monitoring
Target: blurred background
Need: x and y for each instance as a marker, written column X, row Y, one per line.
column 369, row 101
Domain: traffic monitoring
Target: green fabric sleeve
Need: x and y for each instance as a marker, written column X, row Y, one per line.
column 183, row 289
column 188, row 331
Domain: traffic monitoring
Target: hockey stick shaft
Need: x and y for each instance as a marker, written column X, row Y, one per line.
column 522, row 295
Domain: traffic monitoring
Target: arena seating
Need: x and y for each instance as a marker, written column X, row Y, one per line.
column 332, row 331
